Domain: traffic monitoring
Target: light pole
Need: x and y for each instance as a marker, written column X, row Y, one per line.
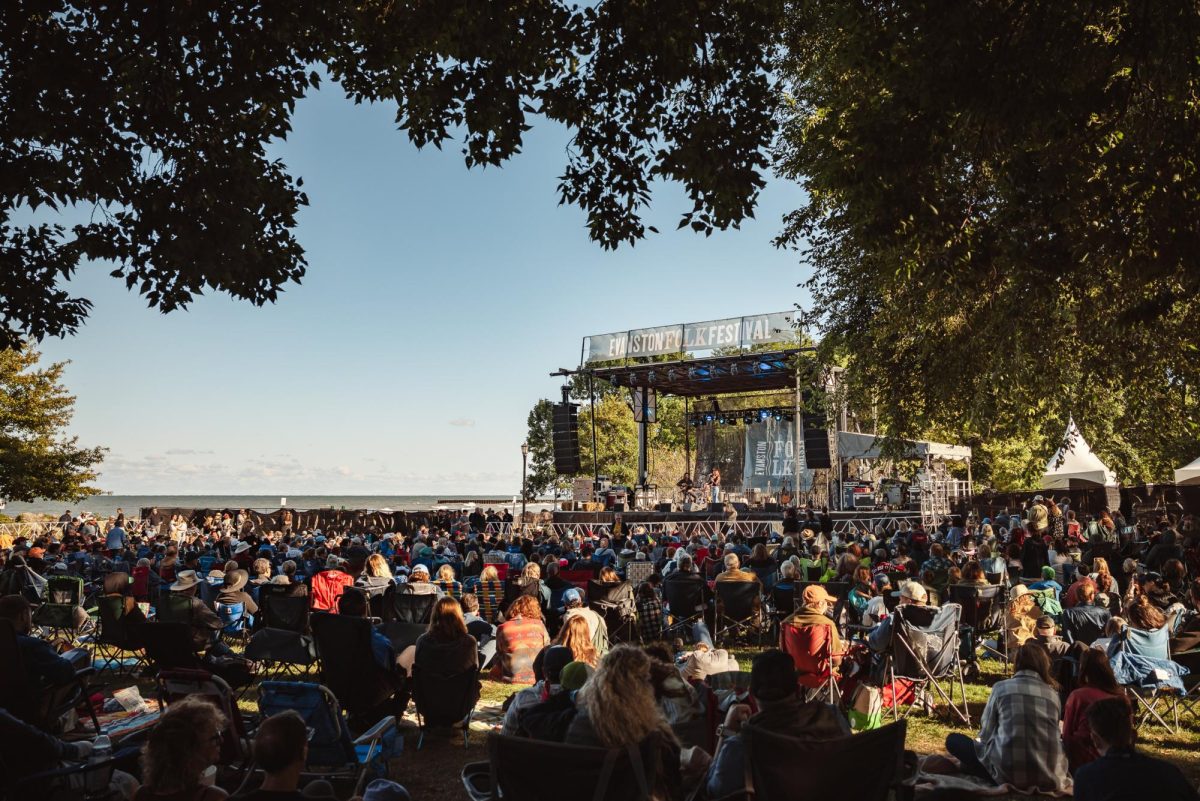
column 524, row 493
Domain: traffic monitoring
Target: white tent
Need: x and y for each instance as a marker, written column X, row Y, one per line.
column 1075, row 464
column 1189, row 474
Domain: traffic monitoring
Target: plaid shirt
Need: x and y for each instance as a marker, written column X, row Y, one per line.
column 1019, row 740
column 650, row 619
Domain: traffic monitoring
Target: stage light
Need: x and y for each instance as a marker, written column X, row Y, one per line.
column 708, row 418
column 778, row 415
column 650, row 377
column 763, row 414
column 764, row 367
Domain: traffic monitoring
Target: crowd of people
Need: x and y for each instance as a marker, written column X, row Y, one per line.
column 584, row 621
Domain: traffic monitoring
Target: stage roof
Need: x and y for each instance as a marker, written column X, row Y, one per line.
column 718, row 375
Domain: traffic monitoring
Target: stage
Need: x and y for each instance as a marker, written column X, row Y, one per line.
column 750, row 522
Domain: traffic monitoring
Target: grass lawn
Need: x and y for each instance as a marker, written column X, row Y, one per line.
column 432, row 774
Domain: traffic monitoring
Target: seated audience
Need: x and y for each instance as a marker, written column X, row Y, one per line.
column 574, row 635
column 781, row 710
column 179, row 752
column 281, row 752
column 447, row 648
column 518, row 641
column 1019, row 741
column 1094, row 682
column 551, row 661
column 1122, row 772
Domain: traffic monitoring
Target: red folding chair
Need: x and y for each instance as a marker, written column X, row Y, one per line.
column 811, row 650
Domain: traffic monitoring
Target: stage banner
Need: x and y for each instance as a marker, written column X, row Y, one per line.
column 732, row 332
column 770, row 458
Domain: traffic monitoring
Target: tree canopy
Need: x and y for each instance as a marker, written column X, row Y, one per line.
column 155, row 120
column 1002, row 207
column 37, row 460
column 1004, row 215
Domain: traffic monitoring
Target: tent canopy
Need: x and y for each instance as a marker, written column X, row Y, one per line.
column 1074, row 464
column 1188, row 474
column 852, row 445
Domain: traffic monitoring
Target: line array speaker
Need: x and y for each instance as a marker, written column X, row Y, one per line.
column 816, row 443
column 566, row 439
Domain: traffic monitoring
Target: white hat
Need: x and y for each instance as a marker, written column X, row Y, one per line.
column 913, row 591
column 242, row 547
column 420, row 568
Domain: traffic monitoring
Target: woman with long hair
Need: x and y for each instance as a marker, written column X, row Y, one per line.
column 1144, row 615
column 617, row 706
column 178, row 752
column 576, row 635
column 1103, row 578
column 609, row 576
column 446, row 647
column 1095, row 682
column 1019, row 742
column 861, row 592
column 518, row 640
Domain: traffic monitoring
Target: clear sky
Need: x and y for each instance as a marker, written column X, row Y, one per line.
column 436, row 303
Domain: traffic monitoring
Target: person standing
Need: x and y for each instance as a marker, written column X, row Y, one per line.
column 114, row 541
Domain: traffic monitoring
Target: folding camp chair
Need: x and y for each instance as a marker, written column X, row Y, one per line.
column 1142, row 663
column 579, row 578
column 1079, row 627
column 279, row 607
column 64, row 594
column 176, row 684
column 401, row 604
column 78, row 782
column 452, row 588
column 811, row 650
column 237, row 622
column 982, row 612
column 348, row 666
column 738, row 610
column 491, row 600
column 536, row 770
column 115, row 637
column 285, row 641
column 636, row 573
column 615, row 602
column 1190, row 699
column 40, row 705
column 444, row 700
column 767, row 576
column 333, row 753
column 924, row 652
column 169, row 646
column 779, row 767
column 685, row 603
column 173, row 608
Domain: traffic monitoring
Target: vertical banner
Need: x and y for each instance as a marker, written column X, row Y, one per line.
column 770, row 457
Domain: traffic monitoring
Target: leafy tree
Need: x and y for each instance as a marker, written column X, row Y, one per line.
column 36, row 459
column 1001, row 218
column 541, row 477
column 154, row 121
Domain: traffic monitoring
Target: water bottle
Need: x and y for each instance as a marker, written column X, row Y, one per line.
column 97, row 780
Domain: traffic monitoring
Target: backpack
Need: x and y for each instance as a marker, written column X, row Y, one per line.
column 866, row 708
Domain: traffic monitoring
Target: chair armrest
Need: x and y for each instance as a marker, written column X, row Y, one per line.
column 86, row 670
column 377, row 731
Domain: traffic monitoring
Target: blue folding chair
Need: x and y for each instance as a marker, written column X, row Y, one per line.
column 237, row 622
column 206, row 564
column 332, row 753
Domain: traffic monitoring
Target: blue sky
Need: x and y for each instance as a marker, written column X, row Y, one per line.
column 436, row 303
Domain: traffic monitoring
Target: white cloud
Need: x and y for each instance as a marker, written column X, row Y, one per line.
column 463, row 422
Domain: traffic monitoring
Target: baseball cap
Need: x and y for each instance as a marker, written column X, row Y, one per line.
column 420, row 568
column 882, row 581
column 815, row 593
column 1045, row 623
column 572, row 595
column 555, row 659
column 913, row 591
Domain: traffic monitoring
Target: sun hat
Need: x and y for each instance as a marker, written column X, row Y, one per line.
column 815, row 593
column 1019, row 590
column 574, row 675
column 236, row 579
column 242, row 547
column 215, row 576
column 185, row 580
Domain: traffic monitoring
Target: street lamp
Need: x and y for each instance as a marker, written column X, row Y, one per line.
column 524, row 493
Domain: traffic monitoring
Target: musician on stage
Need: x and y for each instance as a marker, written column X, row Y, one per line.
column 714, row 481
column 687, row 488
